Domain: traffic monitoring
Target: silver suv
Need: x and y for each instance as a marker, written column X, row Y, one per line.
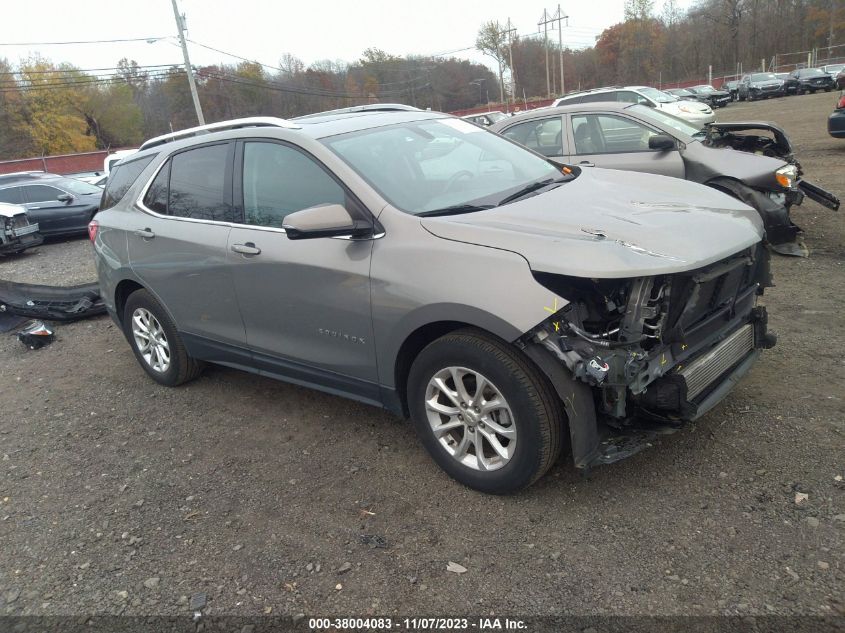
column 414, row 261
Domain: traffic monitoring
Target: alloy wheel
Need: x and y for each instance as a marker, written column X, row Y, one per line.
column 151, row 340
column 470, row 418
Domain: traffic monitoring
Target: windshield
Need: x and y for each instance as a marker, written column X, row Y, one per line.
column 657, row 95
column 423, row 166
column 763, row 77
column 77, row 186
column 667, row 120
column 496, row 116
column 810, row 72
column 705, row 89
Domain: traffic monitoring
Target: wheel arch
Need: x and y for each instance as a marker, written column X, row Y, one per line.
column 121, row 294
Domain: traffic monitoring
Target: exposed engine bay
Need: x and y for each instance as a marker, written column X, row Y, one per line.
column 663, row 349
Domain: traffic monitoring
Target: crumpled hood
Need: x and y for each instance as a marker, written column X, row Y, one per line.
column 612, row 224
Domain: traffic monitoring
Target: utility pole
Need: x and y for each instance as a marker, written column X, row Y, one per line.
column 544, row 22
column 189, row 70
column 511, row 30
column 559, row 16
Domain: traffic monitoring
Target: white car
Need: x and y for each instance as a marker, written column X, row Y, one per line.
column 691, row 111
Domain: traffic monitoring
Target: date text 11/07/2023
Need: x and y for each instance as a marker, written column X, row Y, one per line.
column 417, row 624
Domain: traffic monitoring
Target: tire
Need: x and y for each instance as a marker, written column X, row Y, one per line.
column 141, row 307
column 532, row 414
column 828, row 89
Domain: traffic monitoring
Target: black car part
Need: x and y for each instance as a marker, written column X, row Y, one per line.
column 57, row 303
column 36, row 335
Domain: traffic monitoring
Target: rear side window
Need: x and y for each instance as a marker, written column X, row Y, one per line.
column 121, row 178
column 544, row 136
column 199, row 184
column 11, row 195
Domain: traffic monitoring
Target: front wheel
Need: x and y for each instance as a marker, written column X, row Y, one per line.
column 484, row 412
column 155, row 341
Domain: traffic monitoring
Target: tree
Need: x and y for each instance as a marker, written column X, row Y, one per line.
column 491, row 41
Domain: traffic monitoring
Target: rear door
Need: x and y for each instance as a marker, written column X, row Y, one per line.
column 614, row 141
column 545, row 135
column 177, row 246
column 305, row 303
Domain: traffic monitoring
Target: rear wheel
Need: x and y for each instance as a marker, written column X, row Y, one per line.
column 155, row 341
column 484, row 412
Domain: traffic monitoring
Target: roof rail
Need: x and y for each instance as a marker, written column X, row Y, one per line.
column 367, row 107
column 234, row 124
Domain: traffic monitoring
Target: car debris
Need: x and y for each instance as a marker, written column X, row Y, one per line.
column 17, row 233
column 36, row 335
column 776, row 146
column 56, row 303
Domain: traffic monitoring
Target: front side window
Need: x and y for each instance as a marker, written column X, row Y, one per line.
column 199, row 187
column 279, row 180
column 544, row 136
column 601, row 133
column 12, row 195
column 41, row 193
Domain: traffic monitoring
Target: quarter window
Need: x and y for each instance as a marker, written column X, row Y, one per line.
column 12, row 195
column 121, row 178
column 279, row 180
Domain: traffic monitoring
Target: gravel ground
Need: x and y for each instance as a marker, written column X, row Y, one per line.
column 57, row 262
column 120, row 496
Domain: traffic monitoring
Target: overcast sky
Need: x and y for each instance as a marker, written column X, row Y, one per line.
column 263, row 30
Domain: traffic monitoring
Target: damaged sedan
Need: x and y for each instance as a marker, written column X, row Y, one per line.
column 763, row 172
column 414, row 261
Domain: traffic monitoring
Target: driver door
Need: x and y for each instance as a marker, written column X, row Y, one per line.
column 613, row 141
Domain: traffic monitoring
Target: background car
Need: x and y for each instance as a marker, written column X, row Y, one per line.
column 17, row 233
column 840, row 79
column 486, row 118
column 732, row 87
column 808, row 80
column 709, row 95
column 639, row 138
column 60, row 205
column 760, row 86
column 683, row 93
column 836, row 120
column 833, row 69
column 694, row 112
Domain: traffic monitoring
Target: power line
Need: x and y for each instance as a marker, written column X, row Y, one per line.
column 129, row 39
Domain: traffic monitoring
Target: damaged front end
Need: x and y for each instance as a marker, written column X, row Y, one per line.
column 634, row 358
column 767, row 139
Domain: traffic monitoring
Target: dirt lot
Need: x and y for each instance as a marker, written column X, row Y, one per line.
column 120, row 496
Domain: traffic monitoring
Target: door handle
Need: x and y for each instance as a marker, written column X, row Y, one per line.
column 147, row 234
column 587, row 163
column 246, row 249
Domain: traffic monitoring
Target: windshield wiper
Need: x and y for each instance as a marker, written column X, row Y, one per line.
column 456, row 210
column 531, row 188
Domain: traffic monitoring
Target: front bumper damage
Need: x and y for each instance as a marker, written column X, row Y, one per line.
column 56, row 303
column 634, row 364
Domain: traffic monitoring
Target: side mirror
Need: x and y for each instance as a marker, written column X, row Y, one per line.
column 661, row 142
column 64, row 197
column 325, row 220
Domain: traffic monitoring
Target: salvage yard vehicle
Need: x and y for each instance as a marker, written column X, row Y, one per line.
column 17, row 233
column 692, row 111
column 760, row 86
column 497, row 299
column 808, row 80
column 836, row 120
column 763, row 173
column 60, row 206
column 709, row 95
column 485, row 118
